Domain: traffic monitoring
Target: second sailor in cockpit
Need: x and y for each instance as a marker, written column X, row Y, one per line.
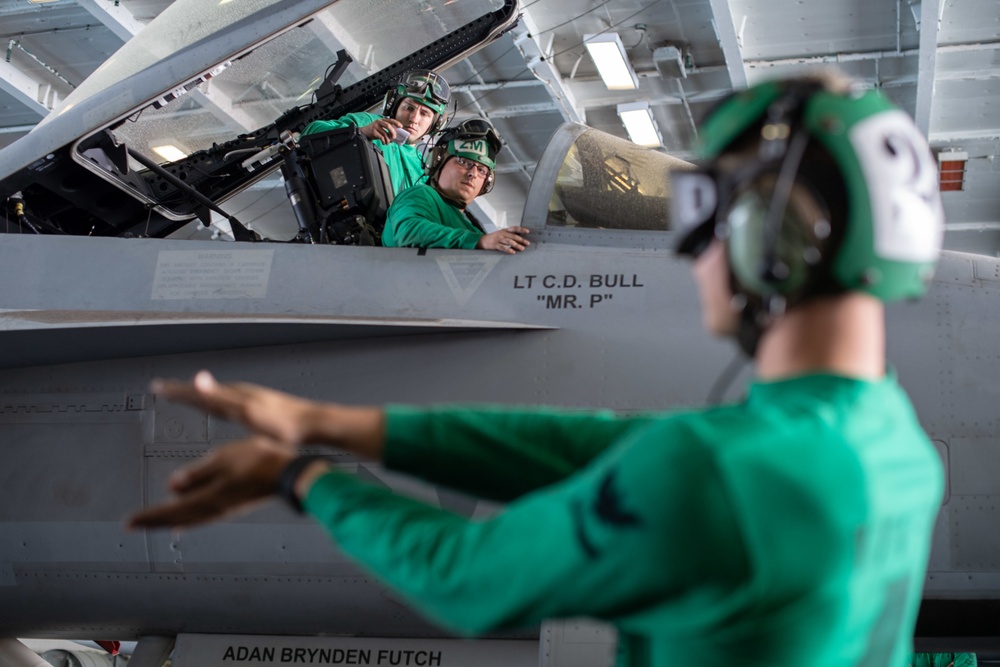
column 460, row 168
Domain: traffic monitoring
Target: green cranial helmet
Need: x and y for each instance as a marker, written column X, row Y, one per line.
column 427, row 88
column 893, row 222
column 474, row 139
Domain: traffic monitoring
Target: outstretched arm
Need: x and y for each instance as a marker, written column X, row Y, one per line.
column 498, row 452
column 229, row 480
column 287, row 420
column 643, row 525
column 570, row 549
column 492, row 452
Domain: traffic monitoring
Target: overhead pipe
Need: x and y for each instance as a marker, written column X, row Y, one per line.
column 873, row 55
column 10, row 48
column 835, row 58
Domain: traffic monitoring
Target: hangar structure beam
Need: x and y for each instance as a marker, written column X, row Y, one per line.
column 122, row 23
column 23, row 88
column 540, row 63
column 115, row 17
column 729, row 39
column 930, row 22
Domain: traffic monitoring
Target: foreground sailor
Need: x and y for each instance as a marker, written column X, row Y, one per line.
column 418, row 106
column 789, row 529
column 460, row 168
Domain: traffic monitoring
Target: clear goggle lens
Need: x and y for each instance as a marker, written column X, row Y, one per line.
column 427, row 86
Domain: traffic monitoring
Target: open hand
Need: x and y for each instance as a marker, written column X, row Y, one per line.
column 280, row 416
column 224, row 481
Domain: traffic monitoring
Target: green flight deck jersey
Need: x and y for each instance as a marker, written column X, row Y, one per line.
column 788, row 530
column 405, row 164
column 421, row 218
column 943, row 660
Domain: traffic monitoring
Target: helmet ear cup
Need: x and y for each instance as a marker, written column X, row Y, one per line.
column 439, row 122
column 488, row 183
column 434, row 162
column 389, row 103
column 782, row 262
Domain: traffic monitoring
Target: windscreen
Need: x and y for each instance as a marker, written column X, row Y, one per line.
column 600, row 181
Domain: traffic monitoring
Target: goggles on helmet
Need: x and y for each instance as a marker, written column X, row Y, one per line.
column 474, row 139
column 425, row 87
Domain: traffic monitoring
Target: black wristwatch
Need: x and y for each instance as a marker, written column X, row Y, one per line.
column 285, row 488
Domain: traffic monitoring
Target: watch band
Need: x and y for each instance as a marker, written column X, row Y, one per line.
column 285, row 488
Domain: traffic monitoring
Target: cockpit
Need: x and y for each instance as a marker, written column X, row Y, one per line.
column 221, row 152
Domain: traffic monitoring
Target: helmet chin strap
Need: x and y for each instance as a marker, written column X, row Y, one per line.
column 755, row 318
column 748, row 332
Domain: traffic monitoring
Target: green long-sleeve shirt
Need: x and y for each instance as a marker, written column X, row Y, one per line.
column 943, row 660
column 421, row 218
column 406, row 166
column 791, row 529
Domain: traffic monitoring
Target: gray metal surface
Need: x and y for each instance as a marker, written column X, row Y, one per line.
column 84, row 443
column 586, row 318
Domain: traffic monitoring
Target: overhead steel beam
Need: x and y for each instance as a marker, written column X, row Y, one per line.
column 593, row 94
column 117, row 19
column 963, row 135
column 969, row 75
column 24, row 89
column 525, row 110
column 541, row 65
column 495, row 85
column 121, row 22
column 730, row 41
column 930, row 21
column 16, row 129
column 970, row 226
column 831, row 58
column 221, row 106
column 335, row 37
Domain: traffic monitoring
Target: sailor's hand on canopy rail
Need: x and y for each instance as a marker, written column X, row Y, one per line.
column 509, row 240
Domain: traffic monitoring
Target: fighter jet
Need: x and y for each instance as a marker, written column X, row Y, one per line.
column 101, row 297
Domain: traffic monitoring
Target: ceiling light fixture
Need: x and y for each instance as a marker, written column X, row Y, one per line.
column 608, row 53
column 169, row 152
column 638, row 120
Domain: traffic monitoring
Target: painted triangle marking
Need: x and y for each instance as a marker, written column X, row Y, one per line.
column 465, row 275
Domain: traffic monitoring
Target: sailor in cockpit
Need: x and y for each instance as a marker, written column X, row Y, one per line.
column 416, row 107
column 432, row 215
